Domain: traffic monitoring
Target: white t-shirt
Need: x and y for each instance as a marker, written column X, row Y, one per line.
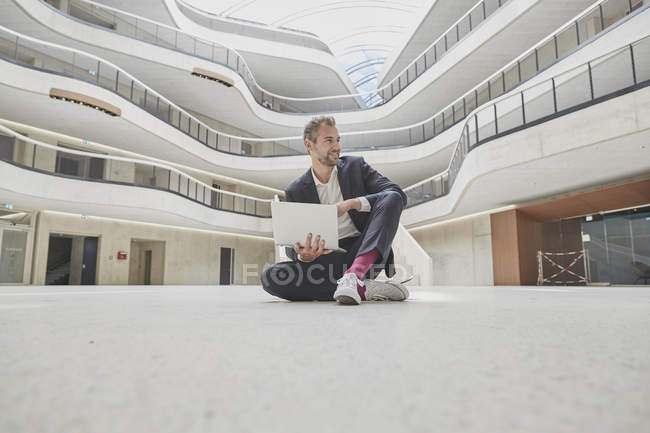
column 330, row 193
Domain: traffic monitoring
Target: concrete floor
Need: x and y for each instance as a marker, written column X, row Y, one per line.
column 234, row 359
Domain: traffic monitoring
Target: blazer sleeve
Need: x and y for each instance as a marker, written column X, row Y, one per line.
column 376, row 184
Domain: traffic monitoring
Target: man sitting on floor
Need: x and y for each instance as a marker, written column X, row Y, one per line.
column 369, row 208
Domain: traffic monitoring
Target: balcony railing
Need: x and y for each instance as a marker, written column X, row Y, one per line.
column 62, row 161
column 603, row 15
column 618, row 72
column 252, row 29
column 169, row 37
column 45, row 56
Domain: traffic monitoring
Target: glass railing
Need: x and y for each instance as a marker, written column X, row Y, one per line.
column 251, row 28
column 613, row 74
column 49, row 57
column 429, row 57
column 603, row 15
column 62, row 161
column 169, row 37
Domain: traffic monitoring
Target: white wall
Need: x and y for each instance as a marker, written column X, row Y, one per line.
column 191, row 256
column 461, row 251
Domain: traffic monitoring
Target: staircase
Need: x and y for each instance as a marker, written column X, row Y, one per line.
column 411, row 259
column 58, row 276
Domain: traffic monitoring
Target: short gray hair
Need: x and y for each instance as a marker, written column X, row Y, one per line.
column 311, row 129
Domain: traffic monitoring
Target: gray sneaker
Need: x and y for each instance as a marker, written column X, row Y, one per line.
column 346, row 290
column 386, row 290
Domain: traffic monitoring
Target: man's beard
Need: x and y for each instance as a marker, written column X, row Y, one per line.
column 327, row 160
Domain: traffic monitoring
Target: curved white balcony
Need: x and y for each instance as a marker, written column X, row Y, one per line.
column 43, row 176
column 591, row 119
column 406, row 165
column 423, row 95
column 249, row 28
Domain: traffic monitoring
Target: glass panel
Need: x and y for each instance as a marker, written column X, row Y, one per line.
column 451, row 38
column 483, row 94
column 486, row 126
column 528, row 66
column 618, row 246
column 440, row 48
column 411, row 74
column 448, row 118
column 612, row 73
column 203, row 49
column 166, row 37
column 509, row 113
column 538, row 101
column 496, row 87
column 12, row 256
column 614, row 10
column 470, row 103
column 572, row 88
column 589, row 25
column 463, row 27
column 185, row 43
column 439, row 127
column 471, row 126
column 567, row 40
column 642, row 60
column 512, row 77
column 546, row 54
column 491, row 6
column 428, row 130
column 477, row 16
column 459, row 110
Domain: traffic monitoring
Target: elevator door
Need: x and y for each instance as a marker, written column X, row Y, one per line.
column 225, row 276
column 89, row 264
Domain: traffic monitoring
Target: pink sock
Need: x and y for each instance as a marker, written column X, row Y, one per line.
column 360, row 266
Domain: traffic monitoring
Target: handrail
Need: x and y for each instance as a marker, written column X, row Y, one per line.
column 381, row 91
column 334, row 103
column 318, row 42
column 115, row 83
column 408, row 135
column 440, row 184
column 154, row 165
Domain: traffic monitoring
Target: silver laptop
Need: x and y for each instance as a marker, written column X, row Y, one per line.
column 293, row 221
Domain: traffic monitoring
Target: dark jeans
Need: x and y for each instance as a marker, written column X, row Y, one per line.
column 316, row 281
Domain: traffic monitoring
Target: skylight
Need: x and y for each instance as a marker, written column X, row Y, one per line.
column 361, row 34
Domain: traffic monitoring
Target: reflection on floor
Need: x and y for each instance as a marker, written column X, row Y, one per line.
column 234, row 359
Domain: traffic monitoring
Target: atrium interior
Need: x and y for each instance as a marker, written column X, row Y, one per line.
column 144, row 148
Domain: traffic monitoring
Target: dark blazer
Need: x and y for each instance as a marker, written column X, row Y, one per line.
column 356, row 179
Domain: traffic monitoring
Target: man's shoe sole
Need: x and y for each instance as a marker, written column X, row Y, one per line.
column 347, row 298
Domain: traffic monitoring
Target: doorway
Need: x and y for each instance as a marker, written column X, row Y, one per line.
column 71, row 260
column 147, row 262
column 226, row 266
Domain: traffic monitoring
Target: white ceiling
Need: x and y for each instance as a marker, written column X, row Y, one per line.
column 360, row 33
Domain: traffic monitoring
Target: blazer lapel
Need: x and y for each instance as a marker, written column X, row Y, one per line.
column 344, row 181
column 311, row 194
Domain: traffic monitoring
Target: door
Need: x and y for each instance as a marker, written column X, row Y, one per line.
column 96, row 169
column 147, row 267
column 6, row 148
column 12, row 255
column 59, row 254
column 89, row 264
column 215, row 197
column 225, row 266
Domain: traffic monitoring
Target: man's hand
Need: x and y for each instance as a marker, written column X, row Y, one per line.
column 311, row 251
column 344, row 206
